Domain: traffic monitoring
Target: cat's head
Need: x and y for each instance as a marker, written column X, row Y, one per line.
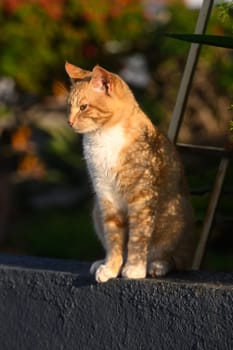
column 97, row 98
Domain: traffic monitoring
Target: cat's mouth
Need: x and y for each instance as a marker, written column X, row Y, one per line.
column 84, row 131
column 78, row 131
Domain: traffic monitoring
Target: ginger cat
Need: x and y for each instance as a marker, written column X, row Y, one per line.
column 142, row 211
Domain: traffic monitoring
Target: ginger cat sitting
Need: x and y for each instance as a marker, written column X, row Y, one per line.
column 142, row 211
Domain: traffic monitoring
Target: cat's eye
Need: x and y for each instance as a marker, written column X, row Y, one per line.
column 83, row 107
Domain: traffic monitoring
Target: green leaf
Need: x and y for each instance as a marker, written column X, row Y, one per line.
column 212, row 40
column 231, row 125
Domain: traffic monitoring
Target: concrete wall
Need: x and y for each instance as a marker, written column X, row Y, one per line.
column 52, row 304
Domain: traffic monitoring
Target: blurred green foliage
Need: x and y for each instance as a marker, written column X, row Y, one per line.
column 37, row 37
column 225, row 11
column 35, row 41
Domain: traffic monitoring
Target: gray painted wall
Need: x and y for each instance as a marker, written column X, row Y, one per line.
column 53, row 304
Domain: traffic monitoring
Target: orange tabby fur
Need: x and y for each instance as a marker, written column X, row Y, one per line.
column 142, row 212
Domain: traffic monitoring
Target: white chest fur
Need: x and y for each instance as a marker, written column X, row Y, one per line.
column 101, row 151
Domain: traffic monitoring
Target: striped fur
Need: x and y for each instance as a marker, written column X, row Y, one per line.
column 142, row 212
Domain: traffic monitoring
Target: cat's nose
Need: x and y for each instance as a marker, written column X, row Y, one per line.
column 70, row 122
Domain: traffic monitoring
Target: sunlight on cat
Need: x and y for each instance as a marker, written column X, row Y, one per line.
column 142, row 213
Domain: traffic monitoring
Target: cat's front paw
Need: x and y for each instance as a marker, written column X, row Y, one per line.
column 134, row 271
column 104, row 273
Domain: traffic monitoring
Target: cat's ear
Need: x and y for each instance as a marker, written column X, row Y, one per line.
column 102, row 80
column 76, row 73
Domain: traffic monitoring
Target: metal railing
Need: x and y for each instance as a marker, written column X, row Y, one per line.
column 174, row 128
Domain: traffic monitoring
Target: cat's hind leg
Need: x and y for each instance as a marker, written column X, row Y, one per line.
column 160, row 267
column 171, row 245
